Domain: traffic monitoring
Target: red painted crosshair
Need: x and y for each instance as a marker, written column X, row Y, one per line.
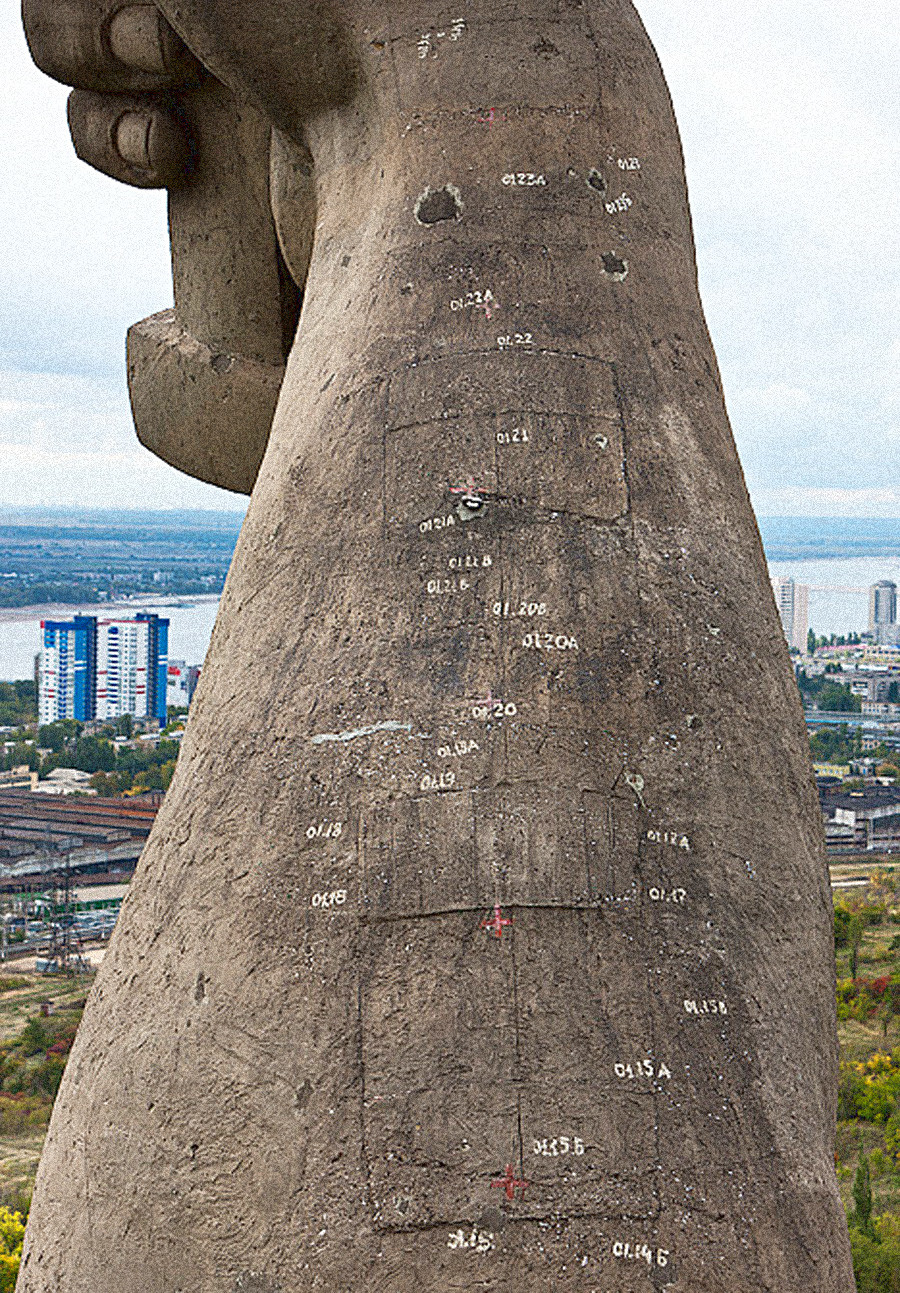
column 469, row 488
column 496, row 923
column 510, row 1183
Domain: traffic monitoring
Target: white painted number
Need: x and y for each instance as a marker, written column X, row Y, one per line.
column 336, row 898
column 470, row 562
column 518, row 436
column 705, row 1008
column 525, row 610
column 325, row 831
column 524, row 180
column 673, row 838
column 641, row 1253
column 496, row 709
column 479, row 1241
column 446, row 781
column 515, row 339
column 676, row 896
column 439, row 586
column 550, row 642
column 436, row 523
column 619, row 204
column 559, row 1146
column 642, row 1069
column 429, row 39
column 629, row 164
column 458, row 750
column 476, row 301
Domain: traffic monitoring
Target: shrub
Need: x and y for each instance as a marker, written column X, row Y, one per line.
column 21, row 1114
column 850, row 1089
column 843, row 919
column 872, row 1091
column 876, row 1257
column 12, row 1235
column 34, row 1037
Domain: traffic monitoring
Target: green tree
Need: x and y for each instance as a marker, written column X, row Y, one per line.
column 125, row 726
column 18, row 703
column 862, row 1198
column 854, row 938
column 93, row 755
column 57, row 736
column 843, row 920
column 838, row 699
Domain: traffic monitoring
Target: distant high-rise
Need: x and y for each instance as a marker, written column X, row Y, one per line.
column 68, row 669
column 792, row 601
column 883, row 611
column 103, row 669
column 182, row 682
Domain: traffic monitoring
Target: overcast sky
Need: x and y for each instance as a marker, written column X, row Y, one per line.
column 791, row 124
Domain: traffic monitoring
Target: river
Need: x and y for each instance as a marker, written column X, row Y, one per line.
column 190, row 626
column 838, row 603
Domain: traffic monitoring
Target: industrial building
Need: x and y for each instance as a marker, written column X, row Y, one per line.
column 42, row 834
column 867, row 819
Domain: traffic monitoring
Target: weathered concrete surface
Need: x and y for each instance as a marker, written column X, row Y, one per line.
column 497, row 646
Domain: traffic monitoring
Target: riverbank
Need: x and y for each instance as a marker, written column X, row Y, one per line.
column 125, row 607
column 191, row 619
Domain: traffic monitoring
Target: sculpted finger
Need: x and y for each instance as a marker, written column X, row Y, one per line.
column 106, row 46
column 132, row 138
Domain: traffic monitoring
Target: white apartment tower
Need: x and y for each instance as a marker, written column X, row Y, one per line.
column 792, row 601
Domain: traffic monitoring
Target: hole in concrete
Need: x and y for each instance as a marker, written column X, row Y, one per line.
column 469, row 506
column 435, row 205
column 221, row 363
column 614, row 266
column 597, row 182
column 545, row 48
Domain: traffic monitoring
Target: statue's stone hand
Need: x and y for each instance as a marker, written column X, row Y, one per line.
column 126, row 65
column 204, row 378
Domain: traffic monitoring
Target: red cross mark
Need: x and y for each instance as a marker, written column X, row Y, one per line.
column 496, row 923
column 510, row 1183
column 470, row 488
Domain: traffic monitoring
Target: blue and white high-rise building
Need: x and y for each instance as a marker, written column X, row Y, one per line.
column 68, row 669
column 103, row 669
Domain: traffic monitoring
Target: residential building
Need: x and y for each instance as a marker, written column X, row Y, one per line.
column 68, row 669
column 182, row 683
column 792, row 601
column 883, row 612
column 102, row 669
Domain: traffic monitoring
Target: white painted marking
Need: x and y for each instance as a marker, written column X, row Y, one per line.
column 478, row 1241
column 360, row 731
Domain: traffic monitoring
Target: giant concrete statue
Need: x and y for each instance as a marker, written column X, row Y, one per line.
column 483, row 941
